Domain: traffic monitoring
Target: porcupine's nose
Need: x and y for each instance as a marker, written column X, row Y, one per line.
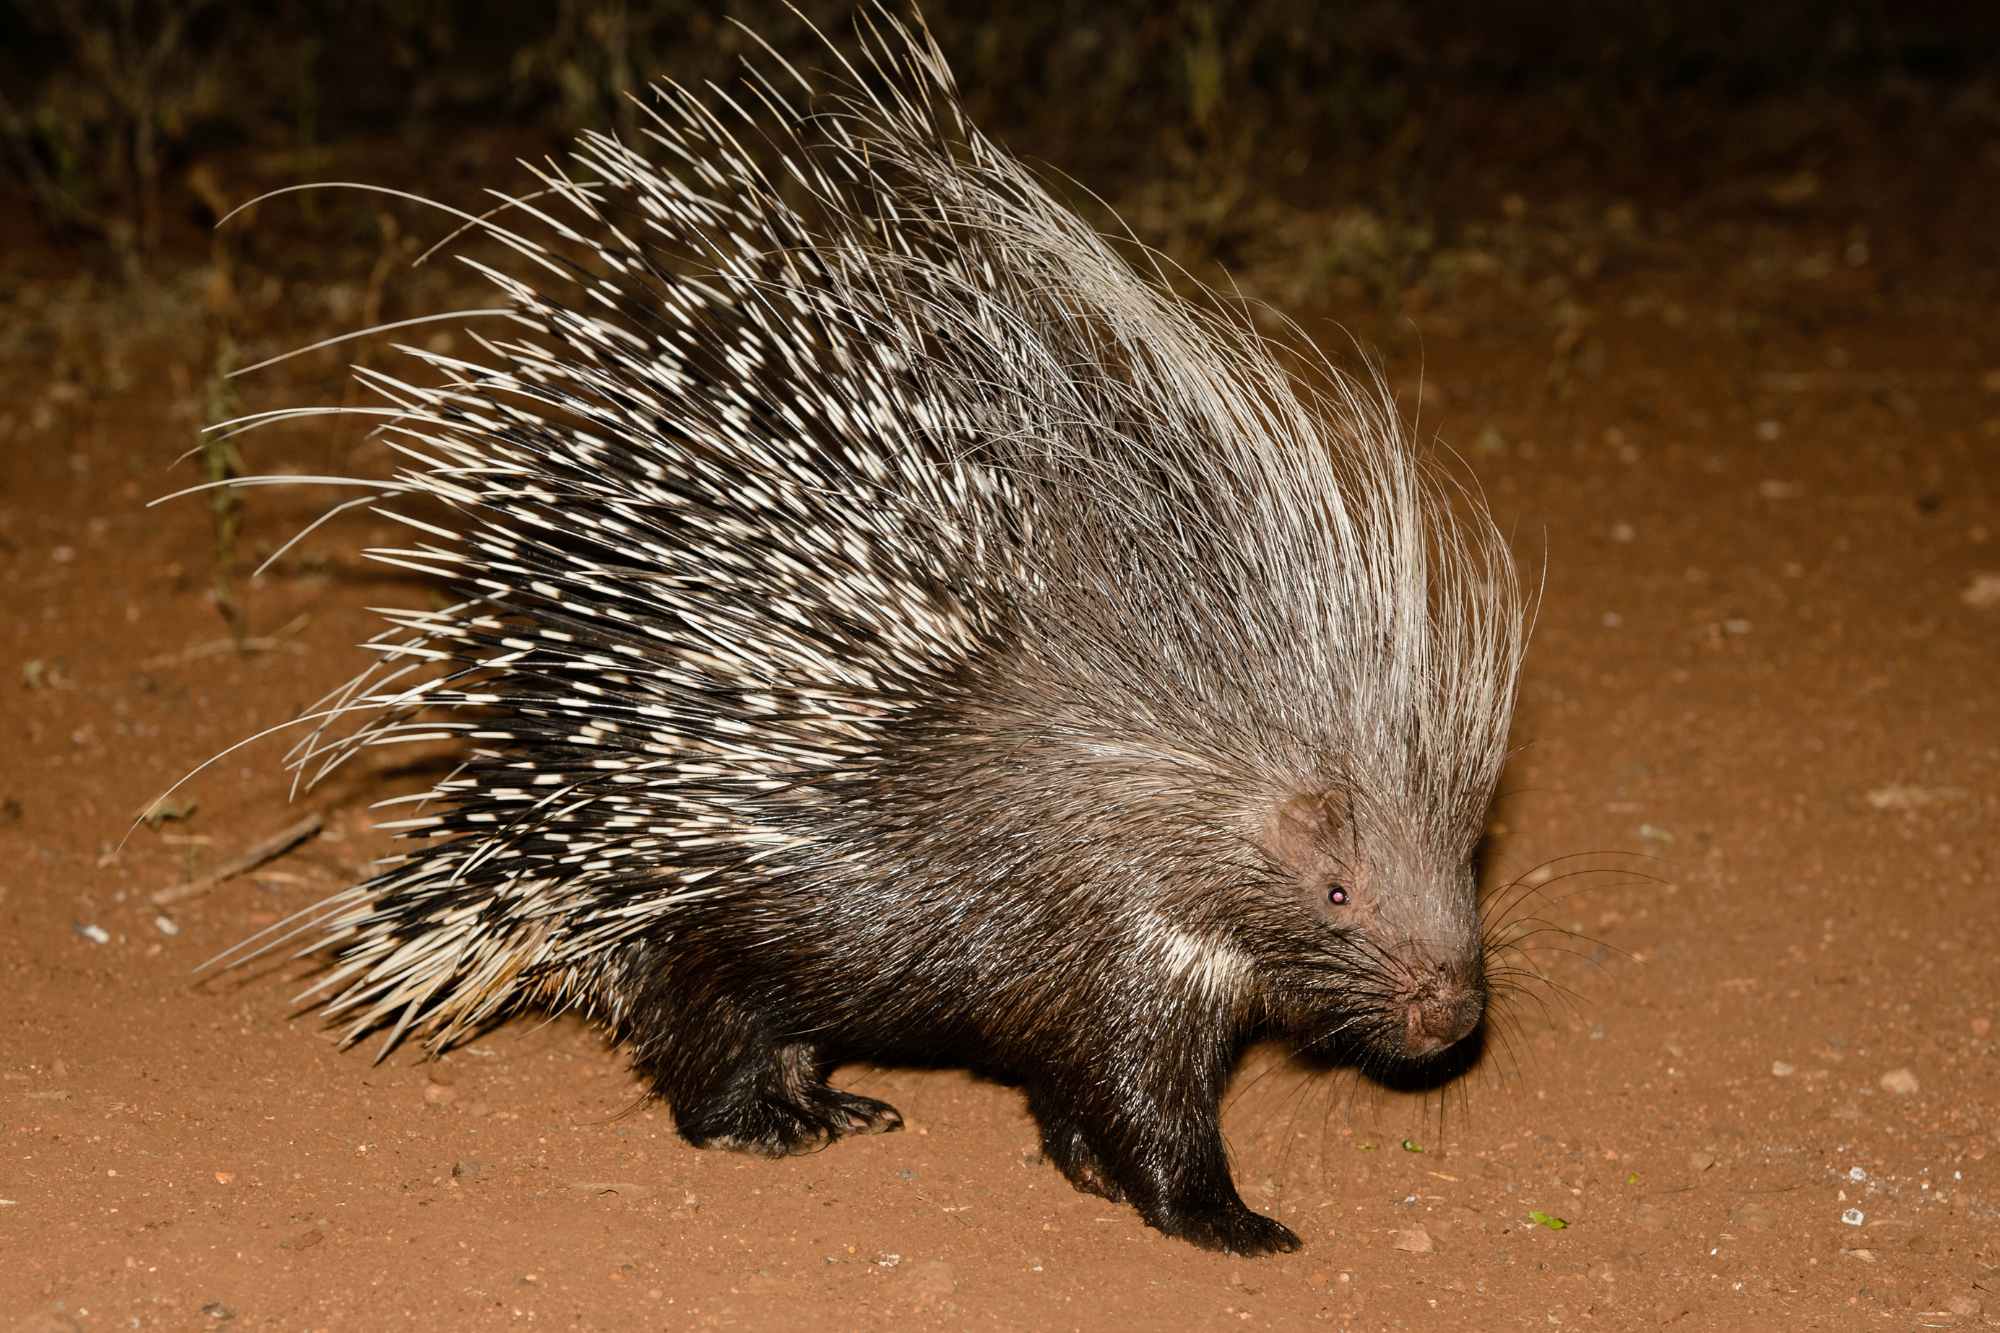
column 1443, row 1011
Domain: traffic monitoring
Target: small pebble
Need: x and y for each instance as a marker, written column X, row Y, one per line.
column 1652, row 1217
column 931, row 1281
column 1899, row 1081
column 1983, row 591
column 1416, row 1241
column 166, row 925
column 1754, row 1217
column 1700, row 1161
column 1782, row 1070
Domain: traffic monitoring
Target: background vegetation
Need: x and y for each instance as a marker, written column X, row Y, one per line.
column 1216, row 127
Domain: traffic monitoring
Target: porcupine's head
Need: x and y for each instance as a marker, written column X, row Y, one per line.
column 1399, row 971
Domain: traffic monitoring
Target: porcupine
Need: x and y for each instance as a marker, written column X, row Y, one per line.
column 894, row 629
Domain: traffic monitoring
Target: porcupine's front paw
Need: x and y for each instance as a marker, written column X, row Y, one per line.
column 1229, row 1226
column 1176, row 1172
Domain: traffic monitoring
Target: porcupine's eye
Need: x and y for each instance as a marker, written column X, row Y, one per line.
column 1337, row 895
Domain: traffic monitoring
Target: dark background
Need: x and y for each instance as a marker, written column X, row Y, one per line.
column 1203, row 123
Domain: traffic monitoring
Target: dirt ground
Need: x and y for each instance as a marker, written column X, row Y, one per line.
column 1752, row 462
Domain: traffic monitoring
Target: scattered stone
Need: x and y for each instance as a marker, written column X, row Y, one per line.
column 928, row 1283
column 1779, row 1069
column 1699, row 1162
column 1652, row 1217
column 48, row 1319
column 1416, row 1241
column 1754, row 1217
column 465, row 1168
column 438, row 1095
column 225, row 1177
column 1965, row 1307
column 1899, row 1081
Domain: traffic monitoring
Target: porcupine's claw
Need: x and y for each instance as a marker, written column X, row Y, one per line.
column 865, row 1115
column 774, row 1128
column 769, row 1100
column 1239, row 1230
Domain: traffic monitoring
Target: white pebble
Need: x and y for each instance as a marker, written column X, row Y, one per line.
column 1899, row 1081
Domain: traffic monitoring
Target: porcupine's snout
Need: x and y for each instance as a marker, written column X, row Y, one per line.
column 1444, row 1003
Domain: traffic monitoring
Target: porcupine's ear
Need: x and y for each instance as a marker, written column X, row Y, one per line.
column 1313, row 838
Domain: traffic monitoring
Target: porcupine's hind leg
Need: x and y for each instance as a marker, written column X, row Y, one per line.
column 732, row 1084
